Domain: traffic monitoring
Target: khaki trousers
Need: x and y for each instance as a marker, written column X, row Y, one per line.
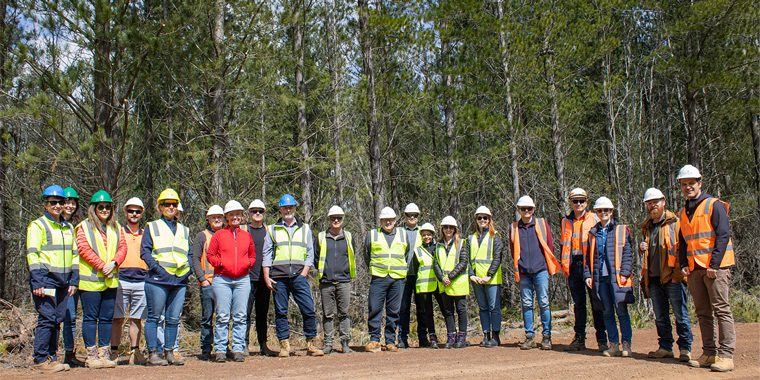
column 711, row 304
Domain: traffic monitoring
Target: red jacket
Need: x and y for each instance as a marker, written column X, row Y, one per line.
column 231, row 254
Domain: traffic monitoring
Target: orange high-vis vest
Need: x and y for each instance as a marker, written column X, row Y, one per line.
column 668, row 235
column 699, row 236
column 132, row 260
column 575, row 243
column 514, row 238
column 620, row 234
column 208, row 269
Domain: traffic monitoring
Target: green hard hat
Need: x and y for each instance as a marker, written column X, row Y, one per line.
column 101, row 196
column 70, row 193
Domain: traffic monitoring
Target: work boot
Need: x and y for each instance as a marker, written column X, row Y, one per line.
column 311, row 348
column 530, row 342
column 403, row 343
column 486, row 342
column 685, row 356
column 174, row 359
column 238, row 357
column 373, row 347
column 328, row 348
column 345, row 348
column 284, row 348
column 450, row 340
column 660, row 354
column 136, row 357
column 205, row 355
column 578, row 344
column 220, row 357
column 390, row 347
column 113, row 355
column 49, row 366
column 266, row 351
column 722, row 364
column 461, row 340
column 433, row 341
column 246, row 351
column 154, row 359
column 603, row 346
column 93, row 361
column 703, row 361
column 104, row 354
column 71, row 360
column 626, row 351
column 546, row 342
column 495, row 339
column 613, row 350
column 249, row 348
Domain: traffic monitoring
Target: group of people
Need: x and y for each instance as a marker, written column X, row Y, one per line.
column 142, row 273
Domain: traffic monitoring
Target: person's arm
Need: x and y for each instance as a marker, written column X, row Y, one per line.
column 251, row 251
column 470, row 264
column 549, row 240
column 367, row 247
column 719, row 221
column 589, row 256
column 682, row 254
column 34, row 238
column 121, row 251
column 498, row 247
column 626, row 261
column 461, row 265
column 436, row 266
column 198, row 243
column 146, row 251
column 86, row 253
column 267, row 255
column 309, row 262
column 213, row 256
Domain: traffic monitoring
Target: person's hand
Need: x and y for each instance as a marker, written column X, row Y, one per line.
column 643, row 246
column 108, row 268
column 712, row 273
column 475, row 279
column 565, row 274
column 39, row 292
column 588, row 282
column 72, row 290
column 205, row 283
column 624, row 278
column 485, row 280
column 305, row 271
column 270, row 283
column 686, row 272
column 446, row 281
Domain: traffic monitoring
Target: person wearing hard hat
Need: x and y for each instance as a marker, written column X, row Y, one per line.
column 52, row 277
column 166, row 250
column 180, row 211
column 336, row 267
column 288, row 255
column 260, row 293
column 204, row 272
column 661, row 277
column 426, row 287
column 574, row 240
column 706, row 255
column 385, row 254
column 72, row 215
column 450, row 268
column 231, row 252
column 484, row 248
column 608, row 269
column 411, row 217
column 532, row 246
column 102, row 249
column 130, row 296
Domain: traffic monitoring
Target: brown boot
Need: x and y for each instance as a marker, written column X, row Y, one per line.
column 155, row 360
column 136, row 357
column 722, row 364
column 284, row 348
column 311, row 348
column 49, row 366
column 173, row 360
column 104, row 354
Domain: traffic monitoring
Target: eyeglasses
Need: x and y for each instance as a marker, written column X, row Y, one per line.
column 56, row 203
column 482, row 218
column 526, row 209
column 170, row 204
column 448, row 227
column 604, row 210
column 256, row 212
column 106, row 207
column 579, row 201
column 133, row 211
column 336, row 218
column 412, row 216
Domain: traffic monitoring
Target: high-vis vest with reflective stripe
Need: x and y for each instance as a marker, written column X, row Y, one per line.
column 481, row 257
column 426, row 280
column 91, row 279
column 699, row 236
column 323, row 253
column 514, row 238
column 668, row 235
column 448, row 260
column 54, row 251
column 290, row 251
column 170, row 250
column 575, row 243
column 208, row 269
column 385, row 260
column 620, row 234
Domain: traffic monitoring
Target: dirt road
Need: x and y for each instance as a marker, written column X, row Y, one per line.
column 504, row 362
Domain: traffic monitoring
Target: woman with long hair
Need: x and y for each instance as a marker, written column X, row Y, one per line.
column 450, row 267
column 484, row 247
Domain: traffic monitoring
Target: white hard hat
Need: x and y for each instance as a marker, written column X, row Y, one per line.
column 525, row 201
column 603, row 202
column 483, row 210
column 427, row 227
column 233, row 206
column 652, row 194
column 387, row 213
column 449, row 221
column 578, row 193
column 257, row 203
column 179, row 207
column 215, row 210
column 134, row 202
column 335, row 211
column 412, row 209
column 688, row 171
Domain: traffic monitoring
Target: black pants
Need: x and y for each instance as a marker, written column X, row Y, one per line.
column 405, row 315
column 424, row 303
column 384, row 293
column 578, row 290
column 455, row 305
column 259, row 295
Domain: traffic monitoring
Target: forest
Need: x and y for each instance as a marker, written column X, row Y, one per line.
column 367, row 104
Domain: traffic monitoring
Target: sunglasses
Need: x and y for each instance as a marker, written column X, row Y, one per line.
column 448, row 228
column 133, row 211
column 56, row 203
column 482, row 218
column 256, row 212
column 104, row 207
column 412, row 216
column 526, row 209
column 579, row 201
column 170, row 204
column 604, row 210
column 336, row 218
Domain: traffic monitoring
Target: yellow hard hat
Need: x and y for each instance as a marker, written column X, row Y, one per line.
column 168, row 195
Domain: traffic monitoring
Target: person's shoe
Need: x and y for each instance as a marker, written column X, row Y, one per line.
column 603, row 346
column 450, row 340
column 424, row 342
column 205, row 355
column 578, row 344
column 249, row 348
column 71, row 360
column 391, row 347
column 328, row 348
column 49, row 366
column 703, row 361
column 685, row 356
column 311, row 348
column 284, row 348
column 530, row 342
column 461, row 340
column 433, row 341
column 613, row 350
column 178, row 355
column 373, row 347
column 486, row 342
column 345, row 348
column 113, row 355
column 626, row 351
column 266, row 351
column 403, row 343
column 238, row 357
column 93, row 360
column 660, row 354
column 174, row 359
column 246, row 352
column 104, row 354
column 546, row 342
column 155, row 360
column 495, row 338
column 220, row 357
column 722, row 364
column 136, row 357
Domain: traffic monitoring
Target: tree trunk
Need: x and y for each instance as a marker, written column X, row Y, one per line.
column 375, row 168
column 691, row 126
column 613, row 174
column 556, row 131
column 755, row 126
column 107, row 98
column 508, row 107
column 303, row 133
column 450, row 128
column 5, row 191
column 333, row 112
column 218, row 155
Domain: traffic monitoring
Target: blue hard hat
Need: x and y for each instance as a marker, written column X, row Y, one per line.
column 288, row 200
column 52, row 191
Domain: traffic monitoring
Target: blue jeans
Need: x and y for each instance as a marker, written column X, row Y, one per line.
column 536, row 284
column 207, row 318
column 578, row 291
column 489, row 305
column 163, row 298
column 607, row 295
column 663, row 297
column 97, row 316
column 160, row 333
column 70, row 323
column 297, row 286
column 50, row 312
column 231, row 294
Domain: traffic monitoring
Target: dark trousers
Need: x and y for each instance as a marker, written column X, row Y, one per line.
column 665, row 296
column 578, row 291
column 208, row 305
column 455, row 305
column 260, row 296
column 424, row 303
column 405, row 314
column 297, row 286
column 384, row 293
column 50, row 312
column 97, row 316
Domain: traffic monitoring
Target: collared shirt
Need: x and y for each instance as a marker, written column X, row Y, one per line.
column 601, row 249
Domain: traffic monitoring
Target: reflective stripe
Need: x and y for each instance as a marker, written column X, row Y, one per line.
column 391, row 267
column 92, row 278
column 576, row 252
column 388, row 260
column 171, row 249
column 287, row 262
column 699, row 235
column 424, row 280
